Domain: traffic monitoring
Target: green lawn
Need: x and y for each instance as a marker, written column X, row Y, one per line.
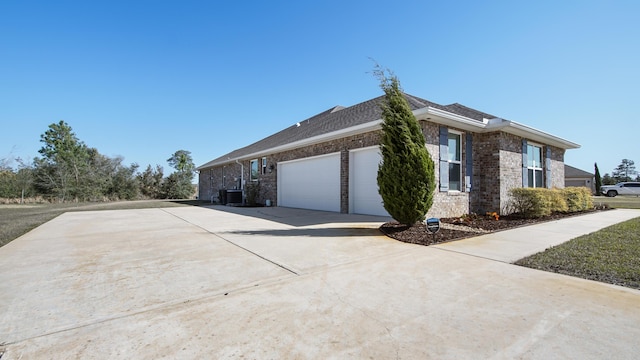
column 611, row 255
column 16, row 220
column 618, row 202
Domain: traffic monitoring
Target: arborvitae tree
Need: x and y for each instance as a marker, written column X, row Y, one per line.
column 406, row 177
column 598, row 178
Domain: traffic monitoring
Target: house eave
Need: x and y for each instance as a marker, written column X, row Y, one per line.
column 354, row 130
column 527, row 132
column 490, row 125
column 442, row 117
column 428, row 113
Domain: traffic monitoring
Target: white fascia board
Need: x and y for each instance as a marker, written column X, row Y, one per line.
column 461, row 122
column 530, row 133
column 449, row 119
column 354, row 130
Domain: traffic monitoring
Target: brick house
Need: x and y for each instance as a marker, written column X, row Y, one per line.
column 330, row 161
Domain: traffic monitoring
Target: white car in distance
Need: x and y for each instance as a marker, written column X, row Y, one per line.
column 623, row 188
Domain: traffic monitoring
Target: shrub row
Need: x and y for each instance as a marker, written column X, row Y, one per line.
column 532, row 203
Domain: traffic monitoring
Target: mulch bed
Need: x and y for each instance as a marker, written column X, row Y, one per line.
column 460, row 228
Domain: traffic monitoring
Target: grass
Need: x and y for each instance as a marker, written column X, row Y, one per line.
column 611, row 255
column 618, row 202
column 16, row 220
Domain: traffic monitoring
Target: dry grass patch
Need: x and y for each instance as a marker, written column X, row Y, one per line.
column 16, row 220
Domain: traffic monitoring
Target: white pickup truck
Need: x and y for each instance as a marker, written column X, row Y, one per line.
column 623, row 188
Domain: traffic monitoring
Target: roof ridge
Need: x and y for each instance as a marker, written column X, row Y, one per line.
column 479, row 114
column 334, row 119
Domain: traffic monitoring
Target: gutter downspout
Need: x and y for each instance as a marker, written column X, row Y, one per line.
column 241, row 179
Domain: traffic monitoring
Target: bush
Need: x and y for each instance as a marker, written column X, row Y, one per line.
column 252, row 193
column 557, row 200
column 530, row 202
column 578, row 198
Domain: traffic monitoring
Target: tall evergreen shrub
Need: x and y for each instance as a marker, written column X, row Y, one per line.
column 598, row 178
column 406, row 177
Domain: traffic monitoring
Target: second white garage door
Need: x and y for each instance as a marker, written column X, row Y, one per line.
column 363, row 182
column 310, row 183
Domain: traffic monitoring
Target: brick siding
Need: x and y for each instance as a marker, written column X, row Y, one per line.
column 497, row 168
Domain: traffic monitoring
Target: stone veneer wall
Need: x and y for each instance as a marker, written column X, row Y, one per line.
column 557, row 167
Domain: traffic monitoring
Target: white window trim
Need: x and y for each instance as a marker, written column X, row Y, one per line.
column 459, row 162
column 534, row 167
column 251, row 178
column 264, row 165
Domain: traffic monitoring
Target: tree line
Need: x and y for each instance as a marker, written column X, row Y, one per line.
column 622, row 173
column 69, row 170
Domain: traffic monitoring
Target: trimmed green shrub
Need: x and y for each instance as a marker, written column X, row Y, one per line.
column 557, row 200
column 578, row 198
column 529, row 202
column 532, row 203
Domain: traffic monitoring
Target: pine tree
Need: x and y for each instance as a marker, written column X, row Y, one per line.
column 406, row 177
column 624, row 171
column 598, row 178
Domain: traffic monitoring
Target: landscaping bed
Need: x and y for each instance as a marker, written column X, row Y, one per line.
column 465, row 226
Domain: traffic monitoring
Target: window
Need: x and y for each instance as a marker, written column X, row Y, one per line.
column 454, row 157
column 450, row 160
column 534, row 166
column 254, row 170
column 264, row 165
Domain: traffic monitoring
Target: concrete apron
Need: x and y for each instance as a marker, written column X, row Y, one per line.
column 193, row 282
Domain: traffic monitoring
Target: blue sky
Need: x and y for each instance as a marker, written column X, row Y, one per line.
column 142, row 79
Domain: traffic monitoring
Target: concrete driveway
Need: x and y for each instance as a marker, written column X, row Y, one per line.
column 283, row 283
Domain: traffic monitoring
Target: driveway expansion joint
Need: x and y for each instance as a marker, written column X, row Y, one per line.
column 234, row 244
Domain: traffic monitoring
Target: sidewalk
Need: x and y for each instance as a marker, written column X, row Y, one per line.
column 511, row 245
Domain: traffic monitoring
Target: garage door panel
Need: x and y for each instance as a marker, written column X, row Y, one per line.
column 312, row 183
column 363, row 185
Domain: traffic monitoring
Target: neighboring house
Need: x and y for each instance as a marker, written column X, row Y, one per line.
column 576, row 177
column 330, row 161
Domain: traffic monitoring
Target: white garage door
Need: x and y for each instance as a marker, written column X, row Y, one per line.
column 310, row 183
column 363, row 184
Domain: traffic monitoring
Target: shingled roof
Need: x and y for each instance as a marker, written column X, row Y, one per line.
column 335, row 119
column 572, row 172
